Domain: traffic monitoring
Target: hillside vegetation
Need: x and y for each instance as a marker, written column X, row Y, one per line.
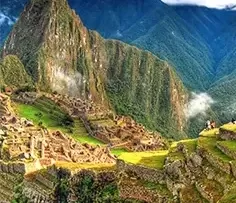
column 69, row 59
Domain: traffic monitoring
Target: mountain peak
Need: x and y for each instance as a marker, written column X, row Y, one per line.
column 62, row 55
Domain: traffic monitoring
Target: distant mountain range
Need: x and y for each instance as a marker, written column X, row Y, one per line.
column 199, row 42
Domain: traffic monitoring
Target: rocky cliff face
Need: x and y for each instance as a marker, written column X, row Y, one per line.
column 61, row 55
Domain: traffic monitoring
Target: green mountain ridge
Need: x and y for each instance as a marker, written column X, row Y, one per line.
column 198, row 42
column 61, row 55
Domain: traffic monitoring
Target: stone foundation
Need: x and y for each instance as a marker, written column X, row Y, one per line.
column 141, row 172
column 227, row 135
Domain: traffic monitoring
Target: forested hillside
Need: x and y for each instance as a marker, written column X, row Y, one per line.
column 60, row 54
column 198, row 42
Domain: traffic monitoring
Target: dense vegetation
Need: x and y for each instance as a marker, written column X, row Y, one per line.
column 13, row 73
column 78, row 62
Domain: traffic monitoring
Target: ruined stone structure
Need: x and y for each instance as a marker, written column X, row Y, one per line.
column 117, row 131
column 225, row 134
column 22, row 141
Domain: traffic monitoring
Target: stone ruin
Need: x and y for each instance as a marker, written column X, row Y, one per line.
column 26, row 97
column 117, row 131
column 129, row 134
column 20, row 140
column 225, row 134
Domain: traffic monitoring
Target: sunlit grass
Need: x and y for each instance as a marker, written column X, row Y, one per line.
column 209, row 133
column 190, row 144
column 154, row 159
column 118, row 152
column 209, row 144
column 77, row 132
column 31, row 112
column 81, row 135
column 229, row 127
column 231, row 145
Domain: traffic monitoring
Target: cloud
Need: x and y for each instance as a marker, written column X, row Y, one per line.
column 198, row 105
column 220, row 4
column 5, row 19
column 67, row 83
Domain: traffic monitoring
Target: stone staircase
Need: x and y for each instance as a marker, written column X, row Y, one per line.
column 80, row 129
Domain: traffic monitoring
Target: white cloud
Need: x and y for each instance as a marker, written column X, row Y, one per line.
column 67, row 83
column 220, row 4
column 4, row 18
column 198, row 105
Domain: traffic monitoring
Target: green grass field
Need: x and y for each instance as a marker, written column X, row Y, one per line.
column 190, row 144
column 208, row 140
column 229, row 127
column 53, row 122
column 153, row 159
column 209, row 143
column 231, row 145
column 209, row 133
column 118, row 152
column 31, row 112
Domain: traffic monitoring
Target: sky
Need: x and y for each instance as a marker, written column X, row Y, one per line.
column 208, row 3
column 4, row 18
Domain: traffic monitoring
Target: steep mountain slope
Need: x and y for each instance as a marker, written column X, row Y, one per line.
column 224, row 92
column 173, row 39
column 198, row 41
column 193, row 38
column 122, row 14
column 61, row 55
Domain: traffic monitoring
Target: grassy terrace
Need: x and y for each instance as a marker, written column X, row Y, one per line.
column 208, row 140
column 153, row 159
column 118, row 151
column 30, row 112
column 209, row 133
column 190, row 144
column 52, row 117
column 229, row 127
column 80, row 134
column 231, row 145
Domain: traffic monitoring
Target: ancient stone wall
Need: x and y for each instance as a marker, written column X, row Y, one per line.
column 226, row 151
column 227, row 135
column 140, row 193
column 141, row 172
column 216, row 162
column 12, row 167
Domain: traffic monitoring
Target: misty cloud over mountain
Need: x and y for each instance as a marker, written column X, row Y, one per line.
column 208, row 3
